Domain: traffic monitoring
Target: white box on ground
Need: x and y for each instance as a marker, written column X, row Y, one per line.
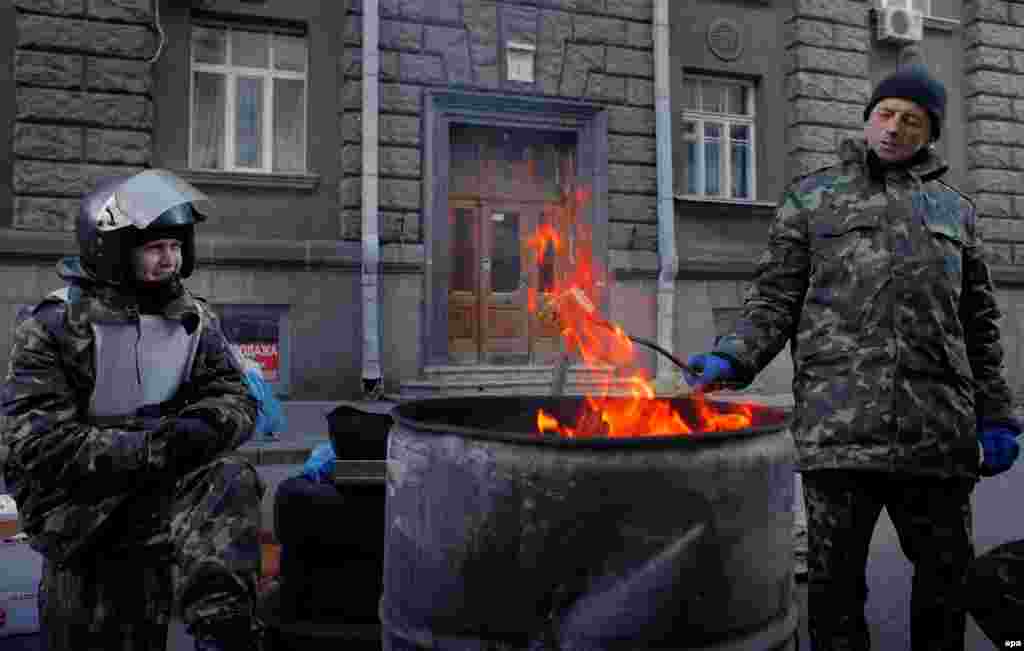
column 19, row 581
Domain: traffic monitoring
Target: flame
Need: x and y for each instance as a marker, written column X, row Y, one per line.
column 570, row 303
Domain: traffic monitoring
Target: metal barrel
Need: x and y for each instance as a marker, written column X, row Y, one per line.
column 497, row 538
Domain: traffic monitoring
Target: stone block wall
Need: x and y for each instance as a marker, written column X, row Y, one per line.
column 827, row 45
column 994, row 93
column 83, row 104
column 598, row 50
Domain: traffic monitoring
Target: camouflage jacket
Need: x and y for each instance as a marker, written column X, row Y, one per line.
column 77, row 481
column 882, row 291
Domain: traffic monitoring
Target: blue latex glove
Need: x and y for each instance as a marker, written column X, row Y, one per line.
column 999, row 447
column 270, row 415
column 320, row 465
column 712, row 370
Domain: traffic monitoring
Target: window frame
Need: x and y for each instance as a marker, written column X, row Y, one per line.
column 727, row 120
column 231, row 73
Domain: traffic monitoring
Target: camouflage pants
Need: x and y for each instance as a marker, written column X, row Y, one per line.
column 996, row 593
column 932, row 518
column 207, row 569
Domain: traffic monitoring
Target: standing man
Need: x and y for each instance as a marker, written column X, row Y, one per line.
column 120, row 404
column 875, row 275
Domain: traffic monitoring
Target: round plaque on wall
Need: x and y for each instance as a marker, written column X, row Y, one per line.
column 725, row 39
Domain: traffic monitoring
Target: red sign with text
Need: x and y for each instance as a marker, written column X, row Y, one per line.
column 267, row 355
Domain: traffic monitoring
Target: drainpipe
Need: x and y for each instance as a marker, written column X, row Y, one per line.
column 373, row 381
column 668, row 258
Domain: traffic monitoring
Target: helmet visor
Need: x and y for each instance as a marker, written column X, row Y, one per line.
column 139, row 200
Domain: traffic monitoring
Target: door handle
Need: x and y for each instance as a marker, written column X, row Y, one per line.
column 485, row 265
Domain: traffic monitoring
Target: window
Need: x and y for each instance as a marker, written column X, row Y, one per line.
column 718, row 138
column 248, row 100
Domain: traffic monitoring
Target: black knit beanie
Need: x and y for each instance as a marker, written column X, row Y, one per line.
column 914, row 83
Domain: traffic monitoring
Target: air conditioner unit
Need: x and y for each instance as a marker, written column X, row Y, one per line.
column 900, row 25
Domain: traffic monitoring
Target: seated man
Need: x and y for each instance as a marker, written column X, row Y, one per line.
column 120, row 405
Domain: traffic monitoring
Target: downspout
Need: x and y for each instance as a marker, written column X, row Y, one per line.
column 668, row 258
column 373, row 381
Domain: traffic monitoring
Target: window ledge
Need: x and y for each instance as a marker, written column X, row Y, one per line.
column 306, row 182
column 731, row 202
column 941, row 24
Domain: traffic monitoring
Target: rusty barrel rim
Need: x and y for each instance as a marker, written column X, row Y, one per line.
column 406, row 416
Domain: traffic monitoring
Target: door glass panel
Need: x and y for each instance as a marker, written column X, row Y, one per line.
column 464, row 258
column 505, row 263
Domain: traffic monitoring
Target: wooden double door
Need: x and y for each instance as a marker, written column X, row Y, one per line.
column 503, row 183
column 488, row 316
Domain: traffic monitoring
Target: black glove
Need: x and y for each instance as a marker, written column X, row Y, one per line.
column 183, row 444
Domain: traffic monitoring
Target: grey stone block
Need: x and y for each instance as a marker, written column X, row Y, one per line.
column 351, row 225
column 632, row 178
column 989, row 107
column 352, row 95
column 352, row 160
column 606, row 87
column 1017, row 14
column 352, row 32
column 994, row 35
column 117, row 111
column 400, row 194
column 993, row 156
column 809, row 31
column 636, row 207
column 400, row 161
column 453, row 45
column 399, row 226
column 598, row 29
column 401, row 35
column 113, row 146
column 632, row 149
column 47, row 141
column 45, row 214
column 47, row 69
column 633, row 9
column 813, row 138
column 351, row 191
column 997, row 253
column 1018, row 205
column 400, row 98
column 623, row 119
column 838, row 114
column 113, row 39
column 1018, row 158
column 399, row 130
column 1001, row 229
column 519, row 23
column 849, row 12
column 850, row 64
column 1018, row 61
column 848, row 37
column 995, row 11
column 640, row 92
column 628, row 61
column 849, row 89
column 810, row 84
column 639, row 35
column 993, row 83
column 1018, row 109
column 1001, row 181
column 482, row 23
column 987, row 57
column 579, row 60
column 995, row 132
column 630, row 236
column 138, row 11
column 122, row 75
column 993, row 205
column 59, row 7
column 422, row 68
column 62, row 179
column 352, row 127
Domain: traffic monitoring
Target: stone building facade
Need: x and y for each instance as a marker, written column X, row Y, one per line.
column 99, row 87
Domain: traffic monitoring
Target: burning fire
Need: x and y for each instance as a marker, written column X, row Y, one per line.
column 570, row 303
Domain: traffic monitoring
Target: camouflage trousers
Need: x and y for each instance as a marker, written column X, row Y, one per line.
column 996, row 593
column 206, row 568
column 932, row 518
